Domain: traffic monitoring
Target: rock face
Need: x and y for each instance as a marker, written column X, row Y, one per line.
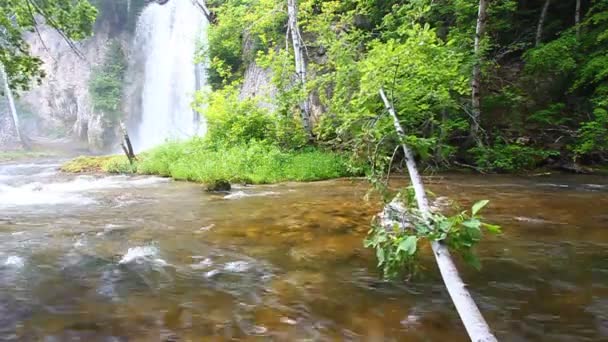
column 258, row 83
column 62, row 102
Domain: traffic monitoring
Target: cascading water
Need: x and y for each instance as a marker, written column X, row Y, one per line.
column 167, row 39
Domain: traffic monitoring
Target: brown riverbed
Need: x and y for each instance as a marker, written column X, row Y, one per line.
column 145, row 259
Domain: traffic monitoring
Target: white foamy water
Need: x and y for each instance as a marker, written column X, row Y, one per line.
column 14, row 261
column 237, row 266
column 169, row 37
column 75, row 192
column 142, row 254
column 243, row 194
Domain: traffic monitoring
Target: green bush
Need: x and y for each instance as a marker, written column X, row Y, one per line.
column 593, row 136
column 504, row 157
column 234, row 121
column 257, row 162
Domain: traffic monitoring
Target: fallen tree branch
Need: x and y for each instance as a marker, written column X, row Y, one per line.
column 469, row 313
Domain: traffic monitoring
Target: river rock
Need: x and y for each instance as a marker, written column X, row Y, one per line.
column 220, row 185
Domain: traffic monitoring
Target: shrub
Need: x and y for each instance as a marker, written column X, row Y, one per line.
column 593, row 136
column 509, row 157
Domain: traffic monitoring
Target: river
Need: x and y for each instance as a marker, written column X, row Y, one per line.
column 121, row 258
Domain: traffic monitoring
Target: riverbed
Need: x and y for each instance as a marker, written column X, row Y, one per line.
column 137, row 258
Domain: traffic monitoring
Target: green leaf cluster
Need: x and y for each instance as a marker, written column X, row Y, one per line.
column 74, row 18
column 397, row 249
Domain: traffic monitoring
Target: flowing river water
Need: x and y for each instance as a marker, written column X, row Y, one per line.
column 121, row 258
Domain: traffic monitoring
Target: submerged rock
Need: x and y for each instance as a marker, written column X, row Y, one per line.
column 220, row 185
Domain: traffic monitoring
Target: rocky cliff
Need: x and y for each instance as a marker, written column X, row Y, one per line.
column 62, row 103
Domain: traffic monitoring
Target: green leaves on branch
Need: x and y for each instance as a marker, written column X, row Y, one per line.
column 397, row 248
column 73, row 18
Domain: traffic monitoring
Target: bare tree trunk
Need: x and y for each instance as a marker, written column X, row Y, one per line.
column 476, row 78
column 211, row 18
column 126, row 145
column 577, row 18
column 541, row 22
column 471, row 317
column 298, row 50
column 11, row 104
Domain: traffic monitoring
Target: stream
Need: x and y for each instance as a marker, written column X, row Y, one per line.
column 138, row 258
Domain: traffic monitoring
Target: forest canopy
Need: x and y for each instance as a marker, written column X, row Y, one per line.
column 541, row 70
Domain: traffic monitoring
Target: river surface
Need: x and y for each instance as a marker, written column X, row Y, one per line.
column 89, row 258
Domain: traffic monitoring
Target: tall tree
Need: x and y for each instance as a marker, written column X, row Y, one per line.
column 476, row 78
column 541, row 22
column 577, row 18
column 300, row 63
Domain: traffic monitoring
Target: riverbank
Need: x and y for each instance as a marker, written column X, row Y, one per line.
column 194, row 160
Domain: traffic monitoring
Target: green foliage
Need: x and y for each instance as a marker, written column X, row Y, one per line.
column 233, row 121
column 196, row 160
column 75, row 18
column 243, row 28
column 397, row 249
column 593, row 136
column 505, row 157
column 106, row 84
column 87, row 164
column 553, row 115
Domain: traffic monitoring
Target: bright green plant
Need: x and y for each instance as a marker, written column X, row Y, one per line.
column 397, row 249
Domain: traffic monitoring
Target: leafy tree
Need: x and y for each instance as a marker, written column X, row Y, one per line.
column 106, row 84
column 74, row 19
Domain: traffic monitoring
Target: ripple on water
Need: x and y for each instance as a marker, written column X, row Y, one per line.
column 243, row 194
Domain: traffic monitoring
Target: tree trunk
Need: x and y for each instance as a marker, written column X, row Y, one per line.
column 211, row 17
column 577, row 18
column 476, row 78
column 126, row 145
column 11, row 104
column 541, row 22
column 298, row 50
column 471, row 317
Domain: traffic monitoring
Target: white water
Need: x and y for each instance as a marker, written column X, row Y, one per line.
column 38, row 184
column 168, row 37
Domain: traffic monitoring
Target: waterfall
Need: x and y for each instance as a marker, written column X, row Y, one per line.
column 166, row 41
column 11, row 103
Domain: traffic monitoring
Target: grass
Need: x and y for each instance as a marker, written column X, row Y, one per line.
column 196, row 161
column 89, row 164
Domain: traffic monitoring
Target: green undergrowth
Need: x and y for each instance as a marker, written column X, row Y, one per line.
column 197, row 161
column 92, row 164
